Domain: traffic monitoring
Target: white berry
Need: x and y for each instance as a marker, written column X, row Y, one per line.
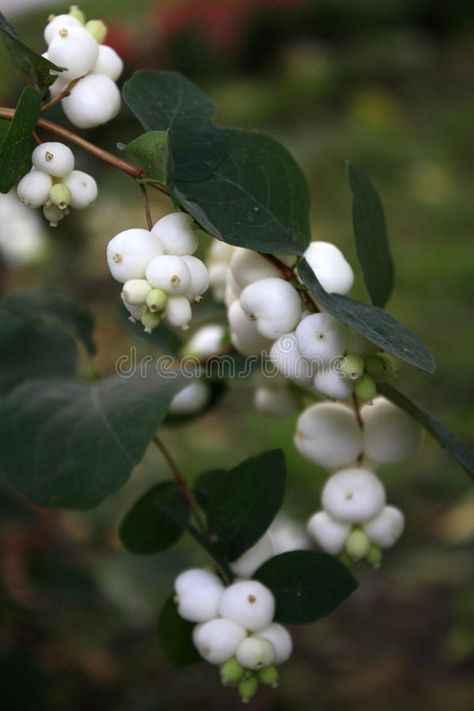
column 385, row 529
column 332, row 384
column 136, row 311
column 247, row 266
column 390, row 435
column 243, row 332
column 194, row 578
column 53, row 158
column 330, row 535
column 53, row 214
column 190, row 399
column 169, row 273
column 58, row 23
column 135, row 291
column 108, row 63
column 288, row 535
column 353, row 495
column 286, row 357
column 83, row 189
column 74, row 48
column 255, row 653
column 33, row 189
column 328, row 434
column 218, row 640
column 248, row 603
column 199, row 277
column 280, row 639
column 130, row 252
column 206, row 341
column 321, row 337
column 177, row 234
column 254, row 557
column 93, row 101
column 273, row 304
column 178, row 311
column 330, row 266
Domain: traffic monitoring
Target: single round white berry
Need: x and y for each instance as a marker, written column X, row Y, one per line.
column 169, row 273
column 328, row 434
column 190, row 399
column 390, row 435
column 83, row 189
column 243, row 332
column 93, row 101
column 206, row 341
column 135, row 291
column 194, row 578
column 53, row 158
column 57, row 23
column 247, row 266
column 200, row 603
column 53, row 214
column 248, row 603
column 218, row 640
column 218, row 276
column 254, row 557
column 274, row 305
column 288, row 535
column 286, row 357
column 321, row 337
column 177, row 233
column 199, row 277
column 33, row 189
column 274, row 401
column 130, row 252
column 329, row 382
column 108, row 63
column 330, row 266
column 280, row 639
column 178, row 311
column 74, row 48
column 136, row 311
column 330, row 535
column 385, row 529
column 221, row 251
column 255, row 653
column 353, row 495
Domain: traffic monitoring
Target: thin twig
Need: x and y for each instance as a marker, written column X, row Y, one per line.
column 62, row 95
column 146, row 203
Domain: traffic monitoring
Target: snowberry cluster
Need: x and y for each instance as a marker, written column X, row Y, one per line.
column 235, row 628
column 54, row 185
column 160, row 276
column 77, row 46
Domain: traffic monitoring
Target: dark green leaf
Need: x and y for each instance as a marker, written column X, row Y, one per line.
column 245, row 502
column 28, row 61
column 54, row 307
column 442, row 434
column 307, row 585
column 151, row 151
column 176, row 636
column 205, row 485
column 257, row 196
column 372, row 322
column 371, row 237
column 17, row 145
column 147, row 528
column 70, row 445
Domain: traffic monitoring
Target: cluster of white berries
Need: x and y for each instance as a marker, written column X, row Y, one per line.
column 160, row 276
column 77, row 46
column 54, row 185
column 235, row 628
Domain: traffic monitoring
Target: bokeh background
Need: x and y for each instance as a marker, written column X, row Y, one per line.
column 388, row 85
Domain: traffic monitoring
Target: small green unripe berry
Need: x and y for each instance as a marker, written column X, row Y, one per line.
column 357, row 544
column 150, row 321
column 365, row 388
column 352, row 367
column 60, row 195
column 382, row 364
column 248, row 688
column 374, row 556
column 97, row 29
column 75, row 11
column 268, row 676
column 156, row 300
column 231, row 671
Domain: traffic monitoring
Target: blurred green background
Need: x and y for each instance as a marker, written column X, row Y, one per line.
column 390, row 87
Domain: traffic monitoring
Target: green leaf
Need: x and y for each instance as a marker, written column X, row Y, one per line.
column 372, row 322
column 176, row 636
column 205, row 485
column 56, row 308
column 257, row 196
column 17, row 145
column 371, row 237
column 442, row 434
column 244, row 188
column 147, row 528
column 151, row 151
column 70, row 445
column 27, row 60
column 245, row 502
column 307, row 585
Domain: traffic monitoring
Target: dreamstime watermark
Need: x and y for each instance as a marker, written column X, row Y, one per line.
column 291, row 364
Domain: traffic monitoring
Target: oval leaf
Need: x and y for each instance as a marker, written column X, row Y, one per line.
column 370, row 232
column 17, row 145
column 151, row 151
column 147, row 528
column 245, row 501
column 307, row 585
column 176, row 636
column 372, row 322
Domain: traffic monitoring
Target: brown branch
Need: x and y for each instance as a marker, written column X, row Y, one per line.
column 146, row 203
column 289, row 274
